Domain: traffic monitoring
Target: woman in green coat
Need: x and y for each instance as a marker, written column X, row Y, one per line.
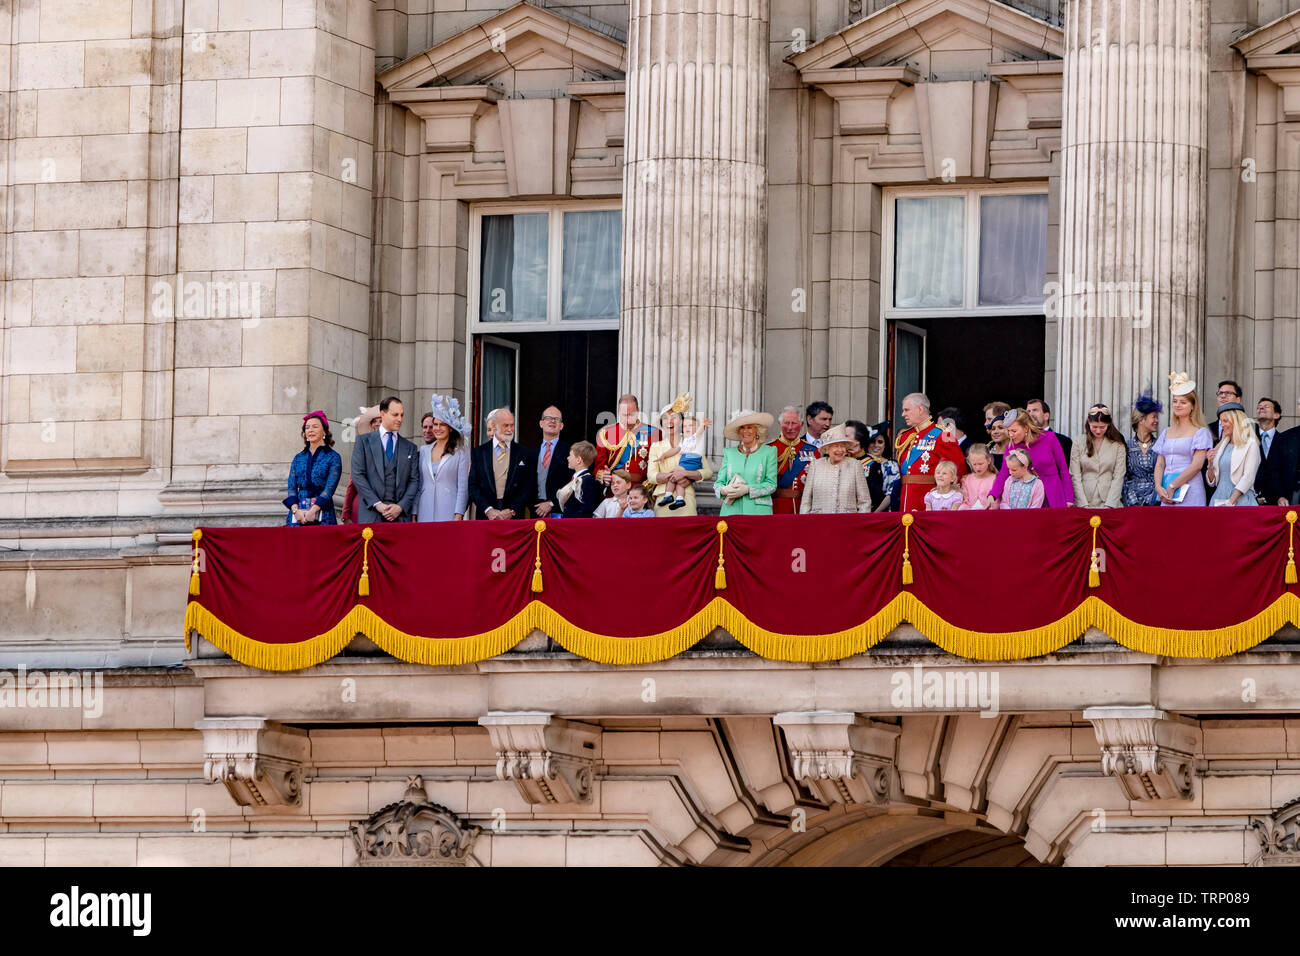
column 747, row 478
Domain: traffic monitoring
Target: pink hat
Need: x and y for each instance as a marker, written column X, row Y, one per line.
column 317, row 414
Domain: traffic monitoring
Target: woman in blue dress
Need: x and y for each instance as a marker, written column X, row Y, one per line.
column 1140, row 479
column 314, row 474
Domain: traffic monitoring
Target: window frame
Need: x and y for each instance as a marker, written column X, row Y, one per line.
column 554, row 265
column 970, row 251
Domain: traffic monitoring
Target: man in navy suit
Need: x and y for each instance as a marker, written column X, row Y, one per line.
column 386, row 469
column 501, row 482
column 551, row 463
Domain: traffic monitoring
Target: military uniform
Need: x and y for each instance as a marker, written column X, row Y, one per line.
column 792, row 459
column 919, row 450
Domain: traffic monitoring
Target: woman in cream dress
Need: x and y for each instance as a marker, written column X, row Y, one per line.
column 835, row 484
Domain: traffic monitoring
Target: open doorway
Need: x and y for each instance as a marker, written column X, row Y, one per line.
column 966, row 362
column 577, row 371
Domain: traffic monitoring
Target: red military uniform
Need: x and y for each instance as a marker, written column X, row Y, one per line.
column 919, row 450
column 792, row 460
column 619, row 447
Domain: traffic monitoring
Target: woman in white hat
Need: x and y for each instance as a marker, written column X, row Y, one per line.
column 444, row 465
column 835, row 483
column 1181, row 448
column 747, row 477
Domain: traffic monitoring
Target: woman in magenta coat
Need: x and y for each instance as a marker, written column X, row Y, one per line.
column 1048, row 460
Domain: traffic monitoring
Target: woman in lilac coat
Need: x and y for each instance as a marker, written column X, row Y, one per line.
column 1048, row 460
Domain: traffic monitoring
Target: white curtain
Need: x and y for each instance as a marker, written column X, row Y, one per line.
column 928, row 241
column 1013, row 249
column 512, row 280
column 591, row 264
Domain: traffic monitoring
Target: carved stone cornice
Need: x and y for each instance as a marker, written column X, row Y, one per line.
column 1041, row 83
column 258, row 761
column 842, row 757
column 550, row 760
column 413, row 832
column 1146, row 749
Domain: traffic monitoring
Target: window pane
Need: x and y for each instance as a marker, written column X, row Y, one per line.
column 591, row 264
column 512, row 281
column 1013, row 249
column 928, row 239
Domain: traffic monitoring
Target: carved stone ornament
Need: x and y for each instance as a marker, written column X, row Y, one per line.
column 842, row 757
column 259, row 761
column 413, row 832
column 1146, row 749
column 550, row 760
column 1279, row 836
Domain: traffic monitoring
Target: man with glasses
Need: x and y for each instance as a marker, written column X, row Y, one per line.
column 1229, row 391
column 550, row 461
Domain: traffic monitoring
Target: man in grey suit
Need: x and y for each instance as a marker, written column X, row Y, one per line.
column 386, row 469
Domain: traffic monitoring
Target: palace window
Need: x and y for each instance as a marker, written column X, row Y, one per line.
column 966, row 251
column 539, row 267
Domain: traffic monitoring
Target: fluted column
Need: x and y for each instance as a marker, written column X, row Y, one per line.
column 1134, row 168
column 695, row 204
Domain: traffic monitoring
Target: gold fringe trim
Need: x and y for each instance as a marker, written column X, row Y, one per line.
column 718, row 613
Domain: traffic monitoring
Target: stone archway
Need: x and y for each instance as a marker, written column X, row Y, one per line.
column 913, row 840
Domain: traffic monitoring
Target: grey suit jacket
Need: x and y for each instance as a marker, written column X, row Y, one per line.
column 368, row 476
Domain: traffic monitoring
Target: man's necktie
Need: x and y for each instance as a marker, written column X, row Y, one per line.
column 388, row 446
column 546, row 456
column 1268, row 441
column 501, row 450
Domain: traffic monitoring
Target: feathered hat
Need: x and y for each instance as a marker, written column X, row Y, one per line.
column 447, row 409
column 1146, row 404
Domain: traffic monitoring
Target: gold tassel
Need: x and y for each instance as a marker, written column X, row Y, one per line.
column 1094, row 572
column 539, row 527
column 907, row 563
column 720, row 576
column 194, row 565
column 1290, row 554
column 363, row 585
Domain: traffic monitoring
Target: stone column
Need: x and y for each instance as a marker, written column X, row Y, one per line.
column 1134, row 163
column 694, row 205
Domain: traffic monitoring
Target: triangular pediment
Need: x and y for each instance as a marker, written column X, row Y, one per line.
column 1279, row 38
column 898, row 33
column 523, row 38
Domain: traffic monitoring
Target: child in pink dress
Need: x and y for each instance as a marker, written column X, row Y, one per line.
column 977, row 485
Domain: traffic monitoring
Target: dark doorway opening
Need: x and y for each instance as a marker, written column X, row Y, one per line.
column 967, row 363
column 577, row 371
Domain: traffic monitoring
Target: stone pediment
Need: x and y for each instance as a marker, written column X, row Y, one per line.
column 919, row 29
column 1279, row 38
column 522, row 40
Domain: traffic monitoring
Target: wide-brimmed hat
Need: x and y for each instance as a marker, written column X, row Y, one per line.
column 368, row 415
column 747, row 417
column 835, row 435
column 1180, row 384
column 447, row 409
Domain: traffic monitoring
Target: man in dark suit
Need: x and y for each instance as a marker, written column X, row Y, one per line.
column 386, row 469
column 550, row 462
column 1278, row 481
column 1041, row 413
column 957, row 431
column 501, row 483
